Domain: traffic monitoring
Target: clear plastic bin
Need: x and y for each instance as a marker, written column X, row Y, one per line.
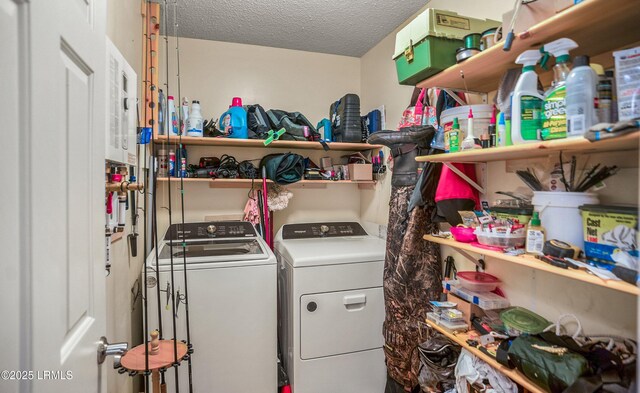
column 449, row 326
column 484, row 300
column 478, row 281
column 501, row 239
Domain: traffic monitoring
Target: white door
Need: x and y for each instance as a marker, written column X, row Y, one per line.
column 54, row 195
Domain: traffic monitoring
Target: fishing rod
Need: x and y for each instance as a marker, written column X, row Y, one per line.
column 173, row 300
column 145, row 291
column 184, row 251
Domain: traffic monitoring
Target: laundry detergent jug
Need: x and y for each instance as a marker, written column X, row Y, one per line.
column 234, row 121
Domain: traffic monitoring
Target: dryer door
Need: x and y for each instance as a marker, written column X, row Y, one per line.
column 336, row 323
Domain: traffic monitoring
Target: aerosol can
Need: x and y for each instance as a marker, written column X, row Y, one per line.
column 554, row 120
column 526, row 101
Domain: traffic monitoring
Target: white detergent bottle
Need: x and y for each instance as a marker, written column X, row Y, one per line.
column 526, row 101
column 171, row 117
column 554, row 119
column 581, row 94
column 194, row 121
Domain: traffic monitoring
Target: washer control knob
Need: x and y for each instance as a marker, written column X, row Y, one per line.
column 324, row 229
column 312, row 306
column 211, row 229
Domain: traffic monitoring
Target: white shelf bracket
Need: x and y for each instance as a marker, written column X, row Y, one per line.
column 479, row 262
column 464, row 177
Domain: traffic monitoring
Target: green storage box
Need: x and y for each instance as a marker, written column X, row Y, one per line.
column 427, row 45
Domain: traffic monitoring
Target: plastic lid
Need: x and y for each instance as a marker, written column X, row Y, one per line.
column 535, row 219
column 580, row 61
column 195, row 102
column 524, row 320
column 456, row 125
column 170, row 97
column 478, row 277
column 493, row 115
column 237, row 101
column 470, row 113
column 501, row 118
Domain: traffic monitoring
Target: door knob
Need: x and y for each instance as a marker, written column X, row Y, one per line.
column 116, row 350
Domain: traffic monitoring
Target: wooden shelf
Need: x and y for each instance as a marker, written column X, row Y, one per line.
column 515, row 375
column 258, row 143
column 597, row 26
column 529, row 261
column 539, row 149
column 246, row 183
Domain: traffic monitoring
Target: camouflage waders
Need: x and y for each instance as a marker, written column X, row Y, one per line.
column 412, row 277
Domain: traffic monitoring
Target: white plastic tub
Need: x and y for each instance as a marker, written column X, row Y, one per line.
column 560, row 216
column 481, row 118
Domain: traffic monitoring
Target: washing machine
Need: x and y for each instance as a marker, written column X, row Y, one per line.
column 232, row 280
column 331, row 307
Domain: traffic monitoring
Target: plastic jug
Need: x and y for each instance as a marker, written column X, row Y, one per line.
column 234, row 121
column 194, row 121
column 326, row 124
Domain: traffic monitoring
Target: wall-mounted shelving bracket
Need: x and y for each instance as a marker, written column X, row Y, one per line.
column 479, row 262
column 482, row 190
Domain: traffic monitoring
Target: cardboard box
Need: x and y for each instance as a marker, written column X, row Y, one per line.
column 360, row 171
column 467, row 308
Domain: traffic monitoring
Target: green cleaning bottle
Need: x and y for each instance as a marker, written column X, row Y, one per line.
column 554, row 116
column 526, row 101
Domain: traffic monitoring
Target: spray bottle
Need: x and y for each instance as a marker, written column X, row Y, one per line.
column 554, row 117
column 526, row 101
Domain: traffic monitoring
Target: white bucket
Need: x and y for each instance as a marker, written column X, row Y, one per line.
column 560, row 215
column 481, row 118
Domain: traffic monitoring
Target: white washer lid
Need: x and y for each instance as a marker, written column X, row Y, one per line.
column 331, row 251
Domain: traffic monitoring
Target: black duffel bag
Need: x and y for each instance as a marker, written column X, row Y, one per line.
column 283, row 168
column 294, row 123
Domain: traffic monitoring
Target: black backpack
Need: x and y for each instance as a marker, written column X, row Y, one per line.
column 257, row 122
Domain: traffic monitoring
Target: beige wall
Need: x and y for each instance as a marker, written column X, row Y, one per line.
column 214, row 72
column 124, row 29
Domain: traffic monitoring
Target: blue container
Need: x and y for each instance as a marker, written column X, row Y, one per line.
column 374, row 121
column 234, row 121
column 326, row 124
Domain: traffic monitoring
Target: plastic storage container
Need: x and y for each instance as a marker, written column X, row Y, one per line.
column 346, row 124
column 447, row 325
column 481, row 118
column 502, row 240
column 478, row 281
column 427, row 45
column 608, row 230
column 484, row 300
column 560, row 215
column 519, row 321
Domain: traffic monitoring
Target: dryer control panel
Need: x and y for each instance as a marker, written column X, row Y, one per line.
column 210, row 230
column 321, row 229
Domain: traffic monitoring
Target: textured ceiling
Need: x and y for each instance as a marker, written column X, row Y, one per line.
column 343, row 27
